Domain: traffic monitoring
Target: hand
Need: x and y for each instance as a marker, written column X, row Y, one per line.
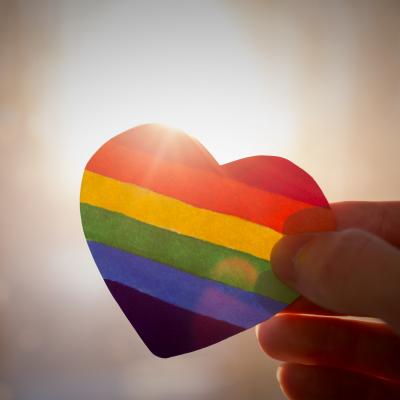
column 355, row 271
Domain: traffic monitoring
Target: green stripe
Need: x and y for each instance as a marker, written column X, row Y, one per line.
column 182, row 252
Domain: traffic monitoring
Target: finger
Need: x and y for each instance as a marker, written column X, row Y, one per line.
column 380, row 218
column 305, row 382
column 366, row 347
column 349, row 272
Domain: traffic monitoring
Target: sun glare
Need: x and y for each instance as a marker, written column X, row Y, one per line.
column 207, row 82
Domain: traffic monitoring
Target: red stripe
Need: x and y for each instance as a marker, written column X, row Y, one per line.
column 199, row 188
column 269, row 173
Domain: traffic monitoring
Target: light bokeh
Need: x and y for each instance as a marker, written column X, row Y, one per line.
column 316, row 82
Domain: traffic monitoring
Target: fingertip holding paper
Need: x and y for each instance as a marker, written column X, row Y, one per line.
column 183, row 243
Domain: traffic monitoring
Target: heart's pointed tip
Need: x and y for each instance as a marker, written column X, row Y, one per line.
column 163, row 354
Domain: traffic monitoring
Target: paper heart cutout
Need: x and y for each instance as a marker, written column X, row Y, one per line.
column 183, row 243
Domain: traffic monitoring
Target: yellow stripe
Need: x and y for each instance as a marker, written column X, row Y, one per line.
column 174, row 215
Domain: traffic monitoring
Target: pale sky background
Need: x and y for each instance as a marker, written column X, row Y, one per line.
column 317, row 82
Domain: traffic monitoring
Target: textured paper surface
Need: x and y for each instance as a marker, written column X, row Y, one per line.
column 184, row 243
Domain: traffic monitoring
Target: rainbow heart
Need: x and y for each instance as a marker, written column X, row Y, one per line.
column 184, row 243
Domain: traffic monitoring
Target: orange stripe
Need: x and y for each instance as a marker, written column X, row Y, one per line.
column 199, row 188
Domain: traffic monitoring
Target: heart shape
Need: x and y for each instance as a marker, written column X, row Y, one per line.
column 184, row 243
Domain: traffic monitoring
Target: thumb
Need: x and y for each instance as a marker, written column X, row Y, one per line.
column 350, row 272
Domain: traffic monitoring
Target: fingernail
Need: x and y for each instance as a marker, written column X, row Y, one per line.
column 257, row 330
column 284, row 254
column 279, row 375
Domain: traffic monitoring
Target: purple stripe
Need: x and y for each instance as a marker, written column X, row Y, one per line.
column 168, row 330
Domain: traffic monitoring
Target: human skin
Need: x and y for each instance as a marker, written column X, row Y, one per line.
column 352, row 272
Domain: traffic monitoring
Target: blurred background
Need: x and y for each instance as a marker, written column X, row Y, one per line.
column 314, row 81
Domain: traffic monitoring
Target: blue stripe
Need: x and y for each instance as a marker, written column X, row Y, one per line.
column 202, row 296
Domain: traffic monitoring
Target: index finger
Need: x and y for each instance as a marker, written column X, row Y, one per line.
column 380, row 218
